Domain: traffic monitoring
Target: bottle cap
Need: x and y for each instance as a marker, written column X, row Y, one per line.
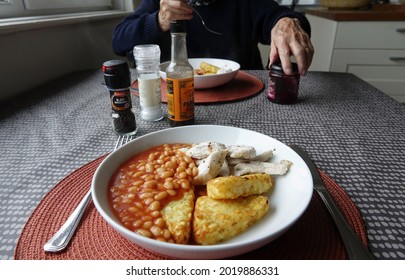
column 116, row 74
column 177, row 26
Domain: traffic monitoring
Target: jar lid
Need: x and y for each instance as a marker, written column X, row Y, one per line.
column 178, row 26
column 116, row 74
column 148, row 51
column 276, row 66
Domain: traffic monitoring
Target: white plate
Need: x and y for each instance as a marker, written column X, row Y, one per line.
column 288, row 202
column 208, row 81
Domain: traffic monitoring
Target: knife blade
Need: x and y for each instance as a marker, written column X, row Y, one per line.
column 354, row 247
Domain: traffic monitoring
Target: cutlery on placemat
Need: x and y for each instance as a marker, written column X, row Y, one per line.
column 354, row 247
column 62, row 237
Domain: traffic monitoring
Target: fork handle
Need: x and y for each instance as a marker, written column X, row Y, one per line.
column 62, row 237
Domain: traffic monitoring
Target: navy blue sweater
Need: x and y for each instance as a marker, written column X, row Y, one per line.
column 243, row 24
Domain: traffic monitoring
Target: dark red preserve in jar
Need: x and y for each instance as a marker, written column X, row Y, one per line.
column 283, row 89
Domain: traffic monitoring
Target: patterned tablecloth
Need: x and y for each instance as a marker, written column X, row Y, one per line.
column 354, row 133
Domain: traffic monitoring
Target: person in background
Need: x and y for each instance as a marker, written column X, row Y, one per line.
column 242, row 24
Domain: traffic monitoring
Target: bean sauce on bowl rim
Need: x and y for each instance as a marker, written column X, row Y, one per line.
column 148, row 181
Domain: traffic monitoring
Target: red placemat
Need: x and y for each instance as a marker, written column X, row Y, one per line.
column 241, row 87
column 313, row 236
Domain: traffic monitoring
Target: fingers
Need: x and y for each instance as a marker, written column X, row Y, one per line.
column 173, row 10
column 273, row 56
column 303, row 53
column 288, row 38
column 283, row 55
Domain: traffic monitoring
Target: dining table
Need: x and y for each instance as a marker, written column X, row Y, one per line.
column 53, row 138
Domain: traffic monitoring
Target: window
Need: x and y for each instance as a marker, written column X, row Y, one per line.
column 62, row 4
column 28, row 8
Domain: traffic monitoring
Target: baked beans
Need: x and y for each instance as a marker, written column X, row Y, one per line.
column 147, row 182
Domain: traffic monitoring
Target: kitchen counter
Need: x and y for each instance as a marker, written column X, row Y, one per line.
column 366, row 42
column 383, row 12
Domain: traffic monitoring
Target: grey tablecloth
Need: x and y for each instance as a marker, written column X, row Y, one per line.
column 354, row 133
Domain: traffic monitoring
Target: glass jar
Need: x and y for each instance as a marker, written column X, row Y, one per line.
column 282, row 88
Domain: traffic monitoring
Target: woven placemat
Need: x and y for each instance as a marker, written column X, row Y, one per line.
column 313, row 236
column 241, row 87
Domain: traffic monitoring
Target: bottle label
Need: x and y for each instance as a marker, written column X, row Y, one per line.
column 180, row 99
column 120, row 100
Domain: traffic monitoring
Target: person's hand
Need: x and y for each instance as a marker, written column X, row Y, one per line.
column 288, row 38
column 173, row 10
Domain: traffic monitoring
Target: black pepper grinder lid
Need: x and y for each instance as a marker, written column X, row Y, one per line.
column 116, row 74
column 178, row 26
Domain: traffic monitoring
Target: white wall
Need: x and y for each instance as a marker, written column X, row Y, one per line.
column 32, row 57
column 35, row 54
column 264, row 52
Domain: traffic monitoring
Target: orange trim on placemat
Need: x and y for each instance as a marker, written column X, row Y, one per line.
column 241, row 87
column 313, row 236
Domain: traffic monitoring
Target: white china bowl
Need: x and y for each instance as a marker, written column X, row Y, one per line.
column 208, row 81
column 288, row 201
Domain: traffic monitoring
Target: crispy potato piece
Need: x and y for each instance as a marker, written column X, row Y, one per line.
column 239, row 186
column 178, row 215
column 208, row 68
column 220, row 220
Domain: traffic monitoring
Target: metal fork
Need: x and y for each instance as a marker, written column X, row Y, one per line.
column 62, row 237
column 203, row 23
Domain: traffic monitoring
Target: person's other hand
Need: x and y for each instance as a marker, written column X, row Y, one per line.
column 173, row 10
column 288, row 38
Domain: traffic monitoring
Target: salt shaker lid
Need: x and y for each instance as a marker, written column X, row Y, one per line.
column 146, row 51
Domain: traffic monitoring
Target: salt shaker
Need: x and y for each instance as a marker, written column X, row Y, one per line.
column 147, row 60
column 118, row 80
column 283, row 89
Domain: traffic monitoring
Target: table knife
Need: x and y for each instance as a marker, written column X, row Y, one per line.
column 354, row 247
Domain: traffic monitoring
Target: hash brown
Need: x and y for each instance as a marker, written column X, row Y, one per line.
column 239, row 186
column 219, row 220
column 178, row 215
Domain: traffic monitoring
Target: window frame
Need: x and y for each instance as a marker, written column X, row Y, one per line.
column 14, row 9
column 61, row 4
